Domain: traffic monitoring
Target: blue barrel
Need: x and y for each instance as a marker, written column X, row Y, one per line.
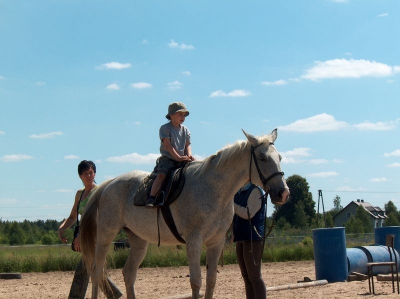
column 357, row 260
column 378, row 254
column 381, row 232
column 330, row 254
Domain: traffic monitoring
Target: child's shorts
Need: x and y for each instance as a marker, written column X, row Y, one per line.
column 165, row 164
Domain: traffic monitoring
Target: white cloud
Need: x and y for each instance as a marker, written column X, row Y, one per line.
column 274, row 83
column 379, row 180
column 349, row 68
column 174, row 45
column 350, row 189
column 2, row 132
column 317, row 123
column 16, row 158
column 394, row 165
column 379, row 126
column 382, row 15
column 71, row 157
column 2, row 77
column 186, row 73
column 46, row 135
column 6, row 201
column 337, row 161
column 134, row 158
column 174, row 85
column 64, row 190
column 318, row 161
column 39, row 83
column 233, row 94
column 323, row 174
column 144, row 42
column 395, row 153
column 141, row 85
column 298, row 151
column 340, row 1
column 113, row 86
column 114, row 66
column 296, row 155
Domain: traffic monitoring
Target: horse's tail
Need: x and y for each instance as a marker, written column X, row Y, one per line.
column 88, row 227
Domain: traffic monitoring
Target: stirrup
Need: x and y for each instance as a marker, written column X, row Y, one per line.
column 159, row 203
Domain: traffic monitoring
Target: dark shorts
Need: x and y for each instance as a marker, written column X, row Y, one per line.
column 165, row 164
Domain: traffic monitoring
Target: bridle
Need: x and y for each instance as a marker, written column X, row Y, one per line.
column 263, row 198
column 262, row 178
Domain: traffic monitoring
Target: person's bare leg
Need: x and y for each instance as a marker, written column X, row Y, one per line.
column 155, row 188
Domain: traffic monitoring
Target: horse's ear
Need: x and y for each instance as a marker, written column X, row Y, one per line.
column 253, row 140
column 274, row 134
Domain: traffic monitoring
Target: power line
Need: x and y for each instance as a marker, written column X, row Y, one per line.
column 377, row 192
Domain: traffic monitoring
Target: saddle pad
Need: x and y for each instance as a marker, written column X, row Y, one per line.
column 142, row 194
column 172, row 187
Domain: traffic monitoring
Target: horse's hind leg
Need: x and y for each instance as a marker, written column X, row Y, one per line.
column 213, row 255
column 138, row 249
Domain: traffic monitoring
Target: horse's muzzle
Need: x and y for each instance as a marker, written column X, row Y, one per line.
column 280, row 197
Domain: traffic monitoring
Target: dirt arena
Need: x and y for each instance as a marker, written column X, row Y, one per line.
column 155, row 283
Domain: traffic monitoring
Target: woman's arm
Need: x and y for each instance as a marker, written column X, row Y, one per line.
column 71, row 219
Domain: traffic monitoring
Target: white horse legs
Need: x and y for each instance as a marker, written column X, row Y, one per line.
column 138, row 249
column 213, row 254
column 193, row 251
column 98, row 272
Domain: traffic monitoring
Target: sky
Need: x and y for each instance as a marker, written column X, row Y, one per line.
column 93, row 80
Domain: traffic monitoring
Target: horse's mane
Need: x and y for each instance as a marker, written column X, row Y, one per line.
column 230, row 152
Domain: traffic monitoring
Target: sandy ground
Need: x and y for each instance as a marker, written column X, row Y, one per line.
column 169, row 282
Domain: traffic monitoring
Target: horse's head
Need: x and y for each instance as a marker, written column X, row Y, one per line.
column 265, row 169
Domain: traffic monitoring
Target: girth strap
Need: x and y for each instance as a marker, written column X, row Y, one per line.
column 169, row 220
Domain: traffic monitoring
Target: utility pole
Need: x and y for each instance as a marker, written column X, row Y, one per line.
column 320, row 198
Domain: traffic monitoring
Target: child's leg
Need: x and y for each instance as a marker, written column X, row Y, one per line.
column 157, row 184
column 155, row 188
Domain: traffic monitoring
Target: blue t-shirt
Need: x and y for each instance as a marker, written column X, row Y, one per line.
column 180, row 137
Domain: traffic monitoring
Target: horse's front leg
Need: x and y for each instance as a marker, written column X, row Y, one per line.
column 193, row 251
column 213, row 254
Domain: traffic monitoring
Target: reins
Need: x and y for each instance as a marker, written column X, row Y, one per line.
column 263, row 198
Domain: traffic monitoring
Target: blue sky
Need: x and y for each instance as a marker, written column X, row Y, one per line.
column 93, row 80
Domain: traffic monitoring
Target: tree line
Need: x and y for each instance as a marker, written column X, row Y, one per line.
column 298, row 214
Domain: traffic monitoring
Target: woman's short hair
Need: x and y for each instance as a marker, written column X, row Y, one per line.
column 86, row 165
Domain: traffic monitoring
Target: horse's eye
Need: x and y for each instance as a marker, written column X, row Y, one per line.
column 262, row 159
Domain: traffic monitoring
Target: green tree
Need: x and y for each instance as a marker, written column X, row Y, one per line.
column 392, row 220
column 300, row 218
column 354, row 226
column 365, row 219
column 329, row 219
column 390, row 208
column 49, row 238
column 337, row 204
column 282, row 224
column 299, row 192
column 16, row 234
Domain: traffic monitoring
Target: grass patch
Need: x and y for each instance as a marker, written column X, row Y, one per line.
column 62, row 258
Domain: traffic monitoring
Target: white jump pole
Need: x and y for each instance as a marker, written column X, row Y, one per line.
column 298, row 285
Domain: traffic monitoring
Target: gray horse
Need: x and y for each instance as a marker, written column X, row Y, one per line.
column 203, row 212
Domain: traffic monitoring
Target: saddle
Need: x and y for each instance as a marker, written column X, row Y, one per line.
column 169, row 192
